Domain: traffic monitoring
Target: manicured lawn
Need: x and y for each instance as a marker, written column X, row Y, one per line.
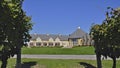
column 89, row 50
column 57, row 63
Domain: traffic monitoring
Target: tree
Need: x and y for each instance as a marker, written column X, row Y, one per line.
column 95, row 32
column 107, row 37
column 113, row 29
column 15, row 26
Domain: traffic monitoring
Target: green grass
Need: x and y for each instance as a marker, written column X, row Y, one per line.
column 60, row 63
column 89, row 50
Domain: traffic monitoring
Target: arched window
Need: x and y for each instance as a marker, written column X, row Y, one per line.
column 38, row 44
column 31, row 44
column 57, row 44
column 44, row 44
column 50, row 44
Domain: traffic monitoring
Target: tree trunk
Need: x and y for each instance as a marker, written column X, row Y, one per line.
column 98, row 56
column 4, row 63
column 114, row 62
column 18, row 61
column 4, row 60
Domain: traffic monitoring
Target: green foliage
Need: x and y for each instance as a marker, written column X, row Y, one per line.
column 14, row 27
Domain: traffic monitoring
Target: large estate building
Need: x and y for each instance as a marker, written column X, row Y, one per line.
column 77, row 38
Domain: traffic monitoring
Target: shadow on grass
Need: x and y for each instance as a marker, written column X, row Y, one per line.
column 86, row 65
column 28, row 64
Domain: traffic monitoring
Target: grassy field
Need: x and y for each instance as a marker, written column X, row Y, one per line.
column 89, row 50
column 57, row 63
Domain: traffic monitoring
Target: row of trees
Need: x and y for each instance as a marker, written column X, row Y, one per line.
column 107, row 37
column 14, row 30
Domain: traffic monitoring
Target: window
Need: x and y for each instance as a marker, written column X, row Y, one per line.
column 57, row 44
column 51, row 44
column 38, row 44
column 31, row 44
column 75, row 41
column 44, row 44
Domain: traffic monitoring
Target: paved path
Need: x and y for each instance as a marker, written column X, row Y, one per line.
column 87, row 57
column 92, row 57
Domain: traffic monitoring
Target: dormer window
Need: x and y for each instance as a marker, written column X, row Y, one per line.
column 51, row 39
column 38, row 39
column 57, row 39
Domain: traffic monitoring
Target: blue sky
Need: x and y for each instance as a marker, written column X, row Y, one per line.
column 64, row 16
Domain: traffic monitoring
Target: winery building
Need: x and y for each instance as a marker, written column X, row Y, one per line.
column 77, row 38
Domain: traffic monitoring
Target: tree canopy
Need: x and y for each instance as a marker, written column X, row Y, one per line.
column 107, row 36
column 14, row 28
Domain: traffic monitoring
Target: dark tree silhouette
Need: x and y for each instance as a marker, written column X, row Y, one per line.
column 107, row 37
column 14, row 30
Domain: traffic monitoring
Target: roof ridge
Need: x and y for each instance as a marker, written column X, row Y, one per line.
column 78, row 33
